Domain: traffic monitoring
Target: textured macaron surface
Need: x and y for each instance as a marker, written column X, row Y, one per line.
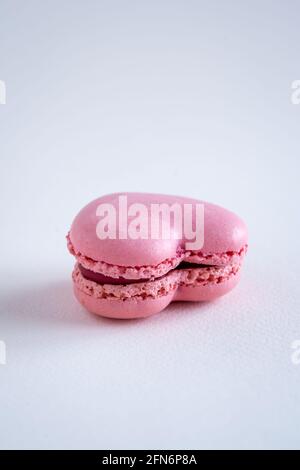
column 225, row 238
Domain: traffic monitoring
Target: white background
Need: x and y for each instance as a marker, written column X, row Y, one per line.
column 179, row 97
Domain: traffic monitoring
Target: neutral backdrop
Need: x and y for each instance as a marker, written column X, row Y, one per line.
column 181, row 97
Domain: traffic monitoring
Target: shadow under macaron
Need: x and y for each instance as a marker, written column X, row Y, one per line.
column 49, row 303
column 54, row 304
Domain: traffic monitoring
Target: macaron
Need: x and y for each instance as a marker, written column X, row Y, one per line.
column 136, row 253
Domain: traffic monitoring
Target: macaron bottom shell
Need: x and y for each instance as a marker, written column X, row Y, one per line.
column 123, row 309
column 142, row 308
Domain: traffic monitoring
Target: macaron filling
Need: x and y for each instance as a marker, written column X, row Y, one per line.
column 100, row 278
column 158, row 287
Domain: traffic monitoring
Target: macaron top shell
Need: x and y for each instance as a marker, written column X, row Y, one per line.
column 224, row 232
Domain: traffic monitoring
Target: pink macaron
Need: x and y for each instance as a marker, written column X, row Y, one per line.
column 136, row 253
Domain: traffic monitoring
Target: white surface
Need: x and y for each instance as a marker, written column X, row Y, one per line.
column 187, row 98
